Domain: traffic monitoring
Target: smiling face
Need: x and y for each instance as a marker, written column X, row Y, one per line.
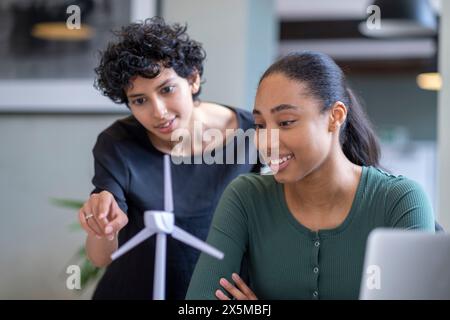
column 305, row 138
column 164, row 103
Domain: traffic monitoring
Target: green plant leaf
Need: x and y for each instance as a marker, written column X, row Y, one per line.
column 67, row 203
column 89, row 272
column 75, row 226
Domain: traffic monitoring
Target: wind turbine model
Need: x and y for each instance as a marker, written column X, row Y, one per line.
column 162, row 223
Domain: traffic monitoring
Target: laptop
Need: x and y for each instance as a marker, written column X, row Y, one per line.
column 406, row 265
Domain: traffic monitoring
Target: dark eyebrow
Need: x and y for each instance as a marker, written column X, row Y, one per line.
column 283, row 107
column 134, row 95
column 165, row 82
column 278, row 108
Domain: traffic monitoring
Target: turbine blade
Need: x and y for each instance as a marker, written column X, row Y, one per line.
column 130, row 244
column 192, row 241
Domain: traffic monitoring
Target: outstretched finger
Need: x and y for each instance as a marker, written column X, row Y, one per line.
column 119, row 220
column 101, row 208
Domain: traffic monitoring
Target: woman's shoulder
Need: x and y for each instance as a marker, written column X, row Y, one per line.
column 245, row 118
column 122, row 138
column 250, row 185
column 395, row 190
column 123, row 129
column 249, row 195
column 238, row 117
column 405, row 202
column 389, row 182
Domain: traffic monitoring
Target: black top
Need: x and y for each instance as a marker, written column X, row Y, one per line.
column 131, row 168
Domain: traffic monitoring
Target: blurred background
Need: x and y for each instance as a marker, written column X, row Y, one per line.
column 50, row 115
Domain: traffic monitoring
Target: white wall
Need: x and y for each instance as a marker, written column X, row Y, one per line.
column 42, row 156
column 444, row 119
column 240, row 39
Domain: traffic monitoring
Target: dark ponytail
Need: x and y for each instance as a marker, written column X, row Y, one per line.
column 326, row 81
column 358, row 140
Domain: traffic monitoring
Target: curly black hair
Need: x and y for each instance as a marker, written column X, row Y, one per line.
column 141, row 50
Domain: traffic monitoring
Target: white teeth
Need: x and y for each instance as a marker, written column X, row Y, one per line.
column 166, row 124
column 281, row 160
column 275, row 161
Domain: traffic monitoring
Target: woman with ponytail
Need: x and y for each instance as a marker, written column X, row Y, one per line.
column 303, row 230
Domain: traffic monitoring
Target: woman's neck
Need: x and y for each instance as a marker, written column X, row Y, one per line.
column 204, row 116
column 330, row 187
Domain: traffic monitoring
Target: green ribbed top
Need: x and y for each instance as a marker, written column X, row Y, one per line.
column 288, row 261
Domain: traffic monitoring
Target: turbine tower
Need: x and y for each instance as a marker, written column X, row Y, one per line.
column 163, row 223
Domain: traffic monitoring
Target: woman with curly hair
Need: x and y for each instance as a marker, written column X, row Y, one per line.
column 156, row 70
